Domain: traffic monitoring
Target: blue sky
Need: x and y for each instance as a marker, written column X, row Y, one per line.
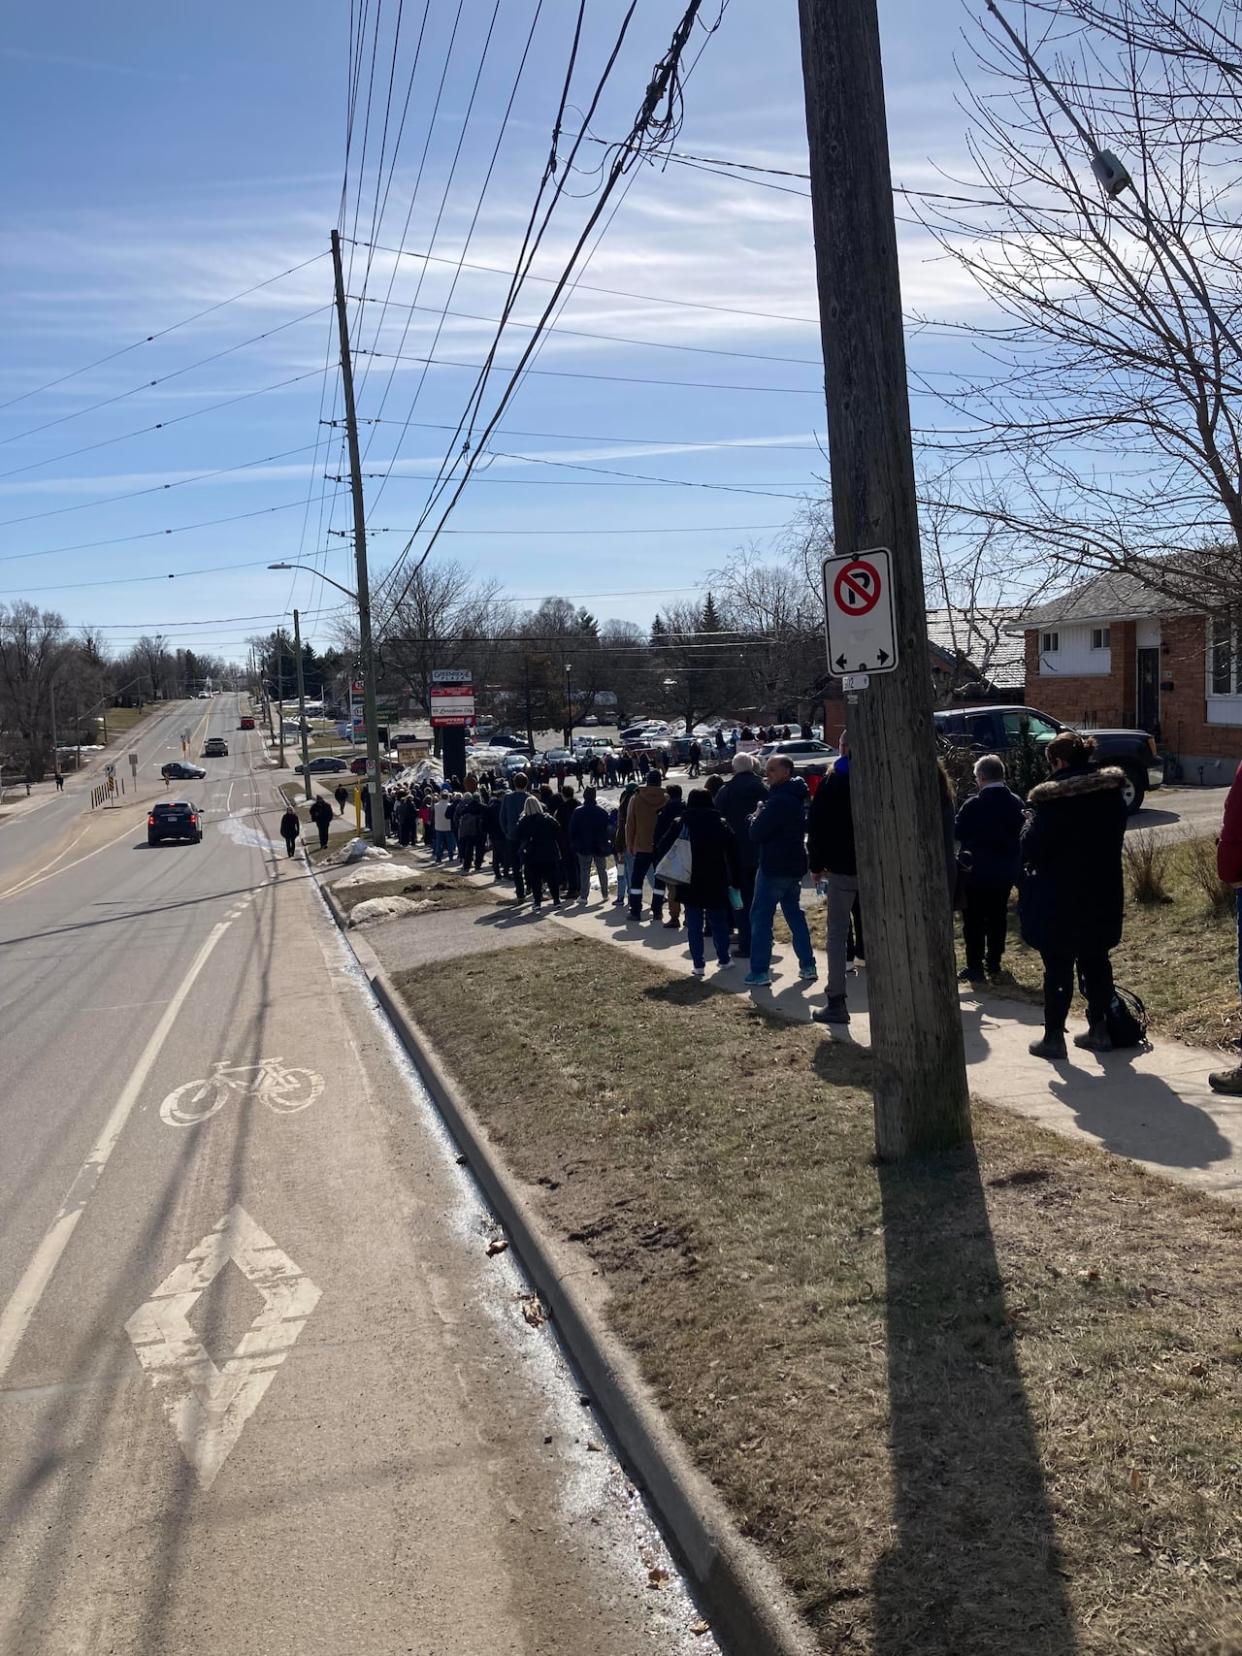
column 161, row 159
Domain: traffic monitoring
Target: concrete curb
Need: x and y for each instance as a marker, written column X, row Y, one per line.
column 742, row 1594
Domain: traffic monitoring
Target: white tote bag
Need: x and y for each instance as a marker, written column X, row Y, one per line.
column 674, row 866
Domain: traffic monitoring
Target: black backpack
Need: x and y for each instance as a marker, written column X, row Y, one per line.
column 1126, row 1019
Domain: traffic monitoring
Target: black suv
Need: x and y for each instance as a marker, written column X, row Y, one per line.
column 215, row 747
column 174, row 819
column 1000, row 729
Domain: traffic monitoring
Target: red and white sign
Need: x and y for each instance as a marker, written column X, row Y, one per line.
column 452, row 704
column 859, row 614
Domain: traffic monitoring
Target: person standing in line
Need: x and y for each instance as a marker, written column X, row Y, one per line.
column 833, row 859
column 321, row 816
column 640, row 826
column 1229, row 871
column 667, row 828
column 737, row 801
column 623, row 859
column 989, row 828
column 471, row 831
column 342, row 797
column 538, row 842
column 1073, row 893
column 778, row 828
column 496, row 834
column 442, row 813
column 511, row 808
column 714, row 870
column 291, row 830
column 590, row 842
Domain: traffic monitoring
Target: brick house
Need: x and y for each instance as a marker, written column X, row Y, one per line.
column 1111, row 651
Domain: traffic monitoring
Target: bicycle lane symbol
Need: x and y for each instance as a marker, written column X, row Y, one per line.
column 283, row 1091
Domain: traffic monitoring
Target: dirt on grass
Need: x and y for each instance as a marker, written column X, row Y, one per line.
column 990, row 1406
column 1180, row 956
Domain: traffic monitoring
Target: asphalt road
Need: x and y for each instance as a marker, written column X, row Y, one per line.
column 262, row 1388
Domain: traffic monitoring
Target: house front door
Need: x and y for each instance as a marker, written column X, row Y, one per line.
column 1148, row 690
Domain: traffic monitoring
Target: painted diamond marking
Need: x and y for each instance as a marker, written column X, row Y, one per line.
column 209, row 1406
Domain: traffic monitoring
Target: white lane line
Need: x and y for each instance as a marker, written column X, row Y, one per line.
column 207, row 1406
column 25, row 1298
column 53, row 871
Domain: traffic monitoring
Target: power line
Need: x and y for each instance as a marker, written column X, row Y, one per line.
column 157, row 488
column 607, row 338
column 149, row 385
column 151, row 534
column 161, row 333
column 620, row 379
column 594, row 529
column 162, row 425
column 585, row 437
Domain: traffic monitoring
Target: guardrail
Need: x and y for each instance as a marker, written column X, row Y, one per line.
column 105, row 791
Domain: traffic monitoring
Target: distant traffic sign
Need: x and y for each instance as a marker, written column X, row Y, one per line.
column 859, row 614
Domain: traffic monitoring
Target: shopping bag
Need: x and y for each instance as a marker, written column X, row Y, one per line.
column 674, row 865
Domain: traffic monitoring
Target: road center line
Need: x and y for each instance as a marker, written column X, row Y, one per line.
column 15, row 1318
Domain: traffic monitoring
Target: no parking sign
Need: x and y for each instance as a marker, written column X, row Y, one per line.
column 858, row 612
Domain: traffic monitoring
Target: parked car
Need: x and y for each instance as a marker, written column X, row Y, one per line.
column 215, row 747
column 557, row 756
column 325, row 762
column 359, row 765
column 807, row 756
column 1003, row 729
column 590, row 719
column 645, row 731
column 174, row 819
column 514, row 762
column 181, row 770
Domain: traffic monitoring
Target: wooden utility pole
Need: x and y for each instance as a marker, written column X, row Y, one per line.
column 365, row 651
column 280, row 696
column 297, row 649
column 921, row 1098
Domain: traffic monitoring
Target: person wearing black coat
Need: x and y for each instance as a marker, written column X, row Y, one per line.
column 667, row 828
column 321, row 816
column 538, row 844
column 290, row 830
column 714, row 869
column 1073, row 895
column 833, row 859
column 737, row 802
column 496, row 834
column 988, row 827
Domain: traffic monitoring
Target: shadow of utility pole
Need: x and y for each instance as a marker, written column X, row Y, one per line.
column 974, row 1569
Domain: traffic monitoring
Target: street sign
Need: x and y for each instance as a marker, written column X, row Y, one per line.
column 451, row 675
column 109, row 770
column 859, row 615
column 357, row 687
column 133, row 763
column 857, row 681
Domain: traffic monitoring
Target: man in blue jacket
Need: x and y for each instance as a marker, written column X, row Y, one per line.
column 988, row 829
column 511, row 808
column 778, row 828
column 590, row 839
column 737, row 802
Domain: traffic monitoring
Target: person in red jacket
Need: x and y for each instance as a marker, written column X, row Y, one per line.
column 1229, row 868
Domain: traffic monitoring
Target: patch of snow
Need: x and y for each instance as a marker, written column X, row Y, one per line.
column 386, row 908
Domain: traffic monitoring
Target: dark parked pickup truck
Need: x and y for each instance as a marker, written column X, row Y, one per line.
column 995, row 729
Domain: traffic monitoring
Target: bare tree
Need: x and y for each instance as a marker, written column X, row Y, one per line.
column 1105, row 417
column 32, row 652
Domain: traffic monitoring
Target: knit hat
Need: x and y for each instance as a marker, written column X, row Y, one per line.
column 743, row 762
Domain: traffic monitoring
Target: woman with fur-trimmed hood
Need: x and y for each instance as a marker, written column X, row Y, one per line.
column 1073, row 894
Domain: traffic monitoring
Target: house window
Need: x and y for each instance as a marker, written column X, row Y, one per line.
column 1224, row 658
column 1099, row 638
column 1049, row 643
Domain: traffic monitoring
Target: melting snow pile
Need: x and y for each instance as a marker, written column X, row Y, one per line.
column 368, row 874
column 355, row 851
column 386, row 908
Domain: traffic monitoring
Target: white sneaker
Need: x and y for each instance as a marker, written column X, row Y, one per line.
column 696, row 971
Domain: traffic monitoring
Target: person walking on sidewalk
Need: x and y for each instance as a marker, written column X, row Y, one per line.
column 778, row 828
column 342, row 797
column 640, row 825
column 511, row 808
column 989, row 827
column 539, row 844
column 60, row 782
column 591, row 843
column 714, row 869
column 1073, row 893
column 290, row 830
column 321, row 815
column 737, row 801
column 833, row 860
column 1229, row 871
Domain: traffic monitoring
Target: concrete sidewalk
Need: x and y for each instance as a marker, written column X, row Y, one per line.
column 1153, row 1106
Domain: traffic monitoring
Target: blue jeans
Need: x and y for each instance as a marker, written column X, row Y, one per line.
column 718, row 920
column 444, row 846
column 772, row 892
column 638, row 873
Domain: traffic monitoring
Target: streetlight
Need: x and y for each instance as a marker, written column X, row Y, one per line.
column 368, row 695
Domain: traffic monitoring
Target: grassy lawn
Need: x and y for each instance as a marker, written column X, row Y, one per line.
column 981, row 1407
column 1180, row 956
column 121, row 720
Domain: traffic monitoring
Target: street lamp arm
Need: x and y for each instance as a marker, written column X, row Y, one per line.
column 312, row 571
